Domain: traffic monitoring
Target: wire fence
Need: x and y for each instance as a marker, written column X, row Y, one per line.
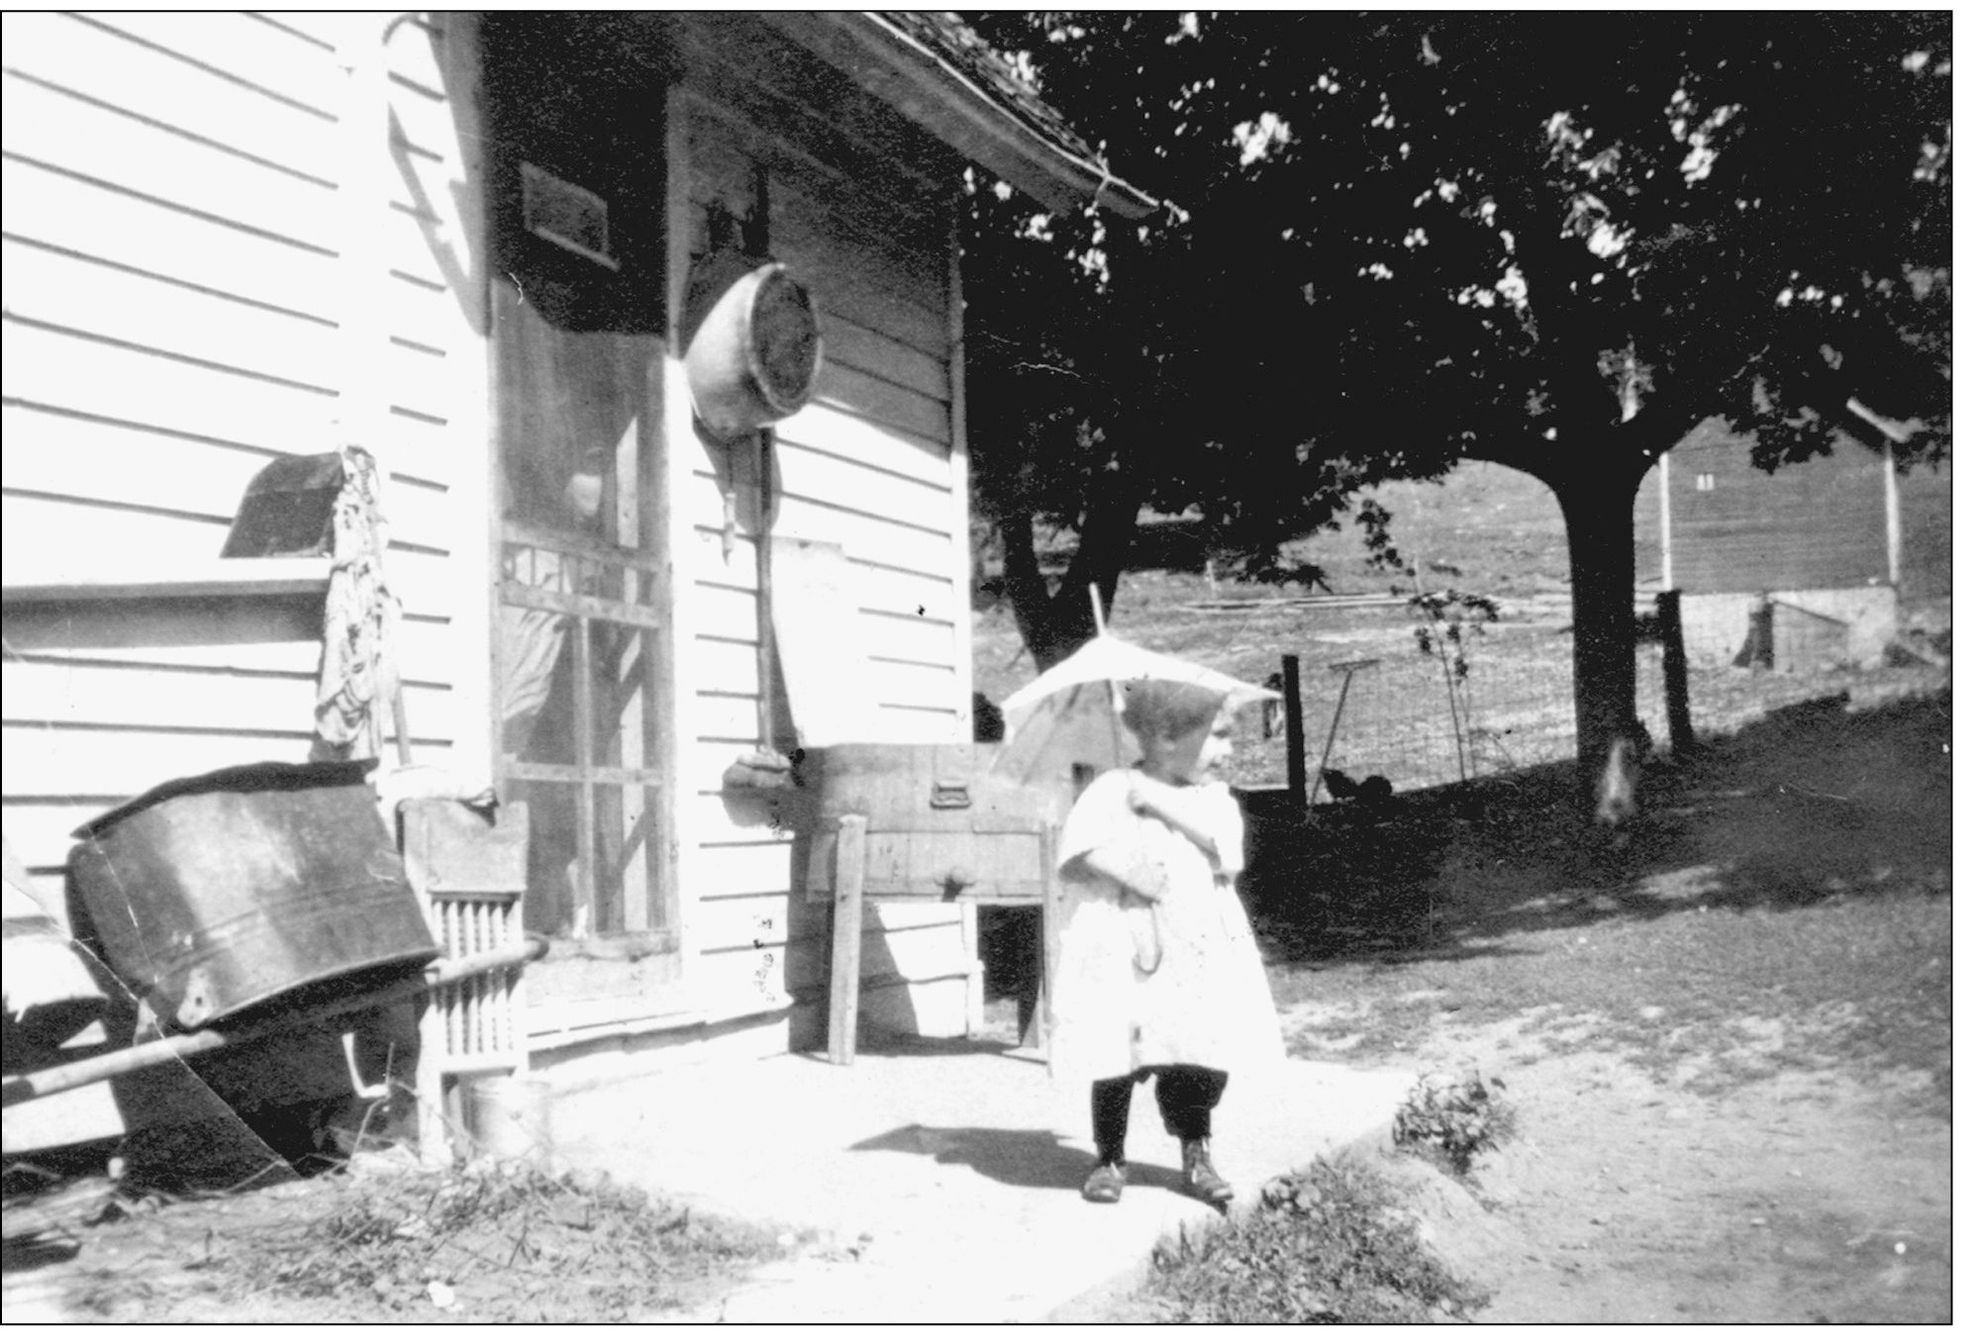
column 1374, row 704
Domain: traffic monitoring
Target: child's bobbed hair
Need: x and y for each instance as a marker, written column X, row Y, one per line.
column 1160, row 708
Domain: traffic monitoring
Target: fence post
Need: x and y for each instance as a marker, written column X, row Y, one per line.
column 1292, row 727
column 1672, row 636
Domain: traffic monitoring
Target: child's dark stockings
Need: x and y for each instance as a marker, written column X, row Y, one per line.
column 1186, row 1097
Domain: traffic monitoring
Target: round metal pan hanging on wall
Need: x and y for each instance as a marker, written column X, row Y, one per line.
column 755, row 357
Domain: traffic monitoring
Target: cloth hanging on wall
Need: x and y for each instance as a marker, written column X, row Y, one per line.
column 359, row 622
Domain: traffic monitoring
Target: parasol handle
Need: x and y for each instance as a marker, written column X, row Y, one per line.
column 1110, row 688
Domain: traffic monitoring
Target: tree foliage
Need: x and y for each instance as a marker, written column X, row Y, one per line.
column 1395, row 241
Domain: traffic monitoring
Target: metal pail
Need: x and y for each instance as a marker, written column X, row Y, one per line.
column 212, row 894
column 507, row 1118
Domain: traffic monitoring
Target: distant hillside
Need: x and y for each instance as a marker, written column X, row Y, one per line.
column 1500, row 528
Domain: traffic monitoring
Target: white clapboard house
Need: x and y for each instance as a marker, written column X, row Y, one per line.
column 468, row 243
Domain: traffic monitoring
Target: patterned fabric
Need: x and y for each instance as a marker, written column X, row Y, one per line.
column 359, row 622
column 1205, row 1000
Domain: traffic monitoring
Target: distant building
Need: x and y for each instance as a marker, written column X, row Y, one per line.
column 1800, row 569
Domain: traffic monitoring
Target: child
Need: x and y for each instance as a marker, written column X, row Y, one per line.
column 1159, row 975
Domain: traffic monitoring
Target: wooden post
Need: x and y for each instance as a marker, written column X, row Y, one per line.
column 846, row 961
column 1051, row 939
column 976, row 983
column 1292, row 727
column 1672, row 636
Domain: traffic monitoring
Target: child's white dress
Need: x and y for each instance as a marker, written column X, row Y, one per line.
column 1207, row 1000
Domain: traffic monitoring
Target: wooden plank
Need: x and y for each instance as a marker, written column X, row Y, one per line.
column 242, row 49
column 425, row 170
column 85, row 376
column 40, row 759
column 321, row 29
column 37, row 759
column 865, row 536
column 846, row 954
column 92, row 219
column 915, row 685
column 253, row 643
column 725, row 979
column 880, row 588
column 734, row 62
column 263, row 634
column 426, row 316
column 883, row 404
column 726, row 613
column 760, row 868
column 725, row 720
column 80, row 293
column 823, row 669
column 913, row 640
column 897, row 723
column 886, row 956
column 886, row 358
column 825, row 477
column 839, row 431
column 39, row 832
column 152, row 698
column 962, row 577
column 97, row 577
column 76, row 136
column 412, row 48
column 728, row 663
column 885, row 242
column 751, row 922
column 110, row 66
column 856, row 298
column 118, row 469
column 37, row 531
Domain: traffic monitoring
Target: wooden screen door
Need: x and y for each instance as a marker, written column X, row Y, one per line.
column 584, row 659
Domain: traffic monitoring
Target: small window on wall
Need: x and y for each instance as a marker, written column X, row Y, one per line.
column 576, row 166
column 564, row 214
column 1703, row 482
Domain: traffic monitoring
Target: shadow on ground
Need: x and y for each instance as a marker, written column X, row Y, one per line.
column 1811, row 803
column 1023, row 1158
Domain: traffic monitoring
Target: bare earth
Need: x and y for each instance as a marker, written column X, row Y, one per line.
column 1795, row 1199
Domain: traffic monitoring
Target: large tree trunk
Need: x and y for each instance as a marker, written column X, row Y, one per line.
column 1055, row 623
column 1603, row 568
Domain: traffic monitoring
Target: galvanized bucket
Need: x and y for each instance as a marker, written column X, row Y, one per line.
column 508, row 1118
column 214, row 894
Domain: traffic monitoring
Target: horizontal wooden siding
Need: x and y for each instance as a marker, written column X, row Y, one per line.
column 177, row 211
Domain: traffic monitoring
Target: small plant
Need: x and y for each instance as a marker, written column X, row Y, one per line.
column 1454, row 1119
column 1449, row 621
column 1328, row 1244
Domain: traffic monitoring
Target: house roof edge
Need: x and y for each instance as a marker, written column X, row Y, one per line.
column 930, row 87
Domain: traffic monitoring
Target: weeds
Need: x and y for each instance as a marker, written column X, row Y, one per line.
column 1328, row 1244
column 1453, row 1120
column 497, row 1241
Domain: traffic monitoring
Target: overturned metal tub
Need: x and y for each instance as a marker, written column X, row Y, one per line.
column 217, row 893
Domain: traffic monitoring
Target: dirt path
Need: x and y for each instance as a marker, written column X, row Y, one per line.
column 1797, row 1198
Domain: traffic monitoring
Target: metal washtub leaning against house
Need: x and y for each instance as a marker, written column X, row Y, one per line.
column 248, row 912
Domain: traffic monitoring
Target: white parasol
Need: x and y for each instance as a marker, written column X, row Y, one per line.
column 1069, row 715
